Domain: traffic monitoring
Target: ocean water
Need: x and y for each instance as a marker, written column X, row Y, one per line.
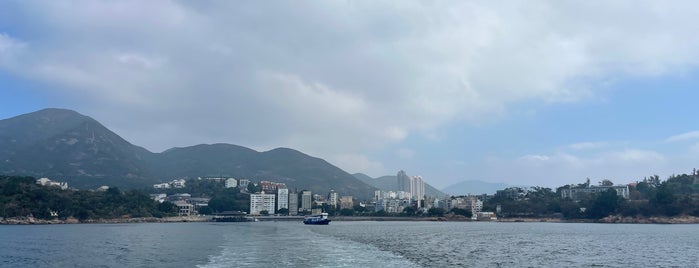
column 350, row 244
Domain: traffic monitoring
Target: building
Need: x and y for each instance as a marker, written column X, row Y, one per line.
column 158, row 197
column 332, row 199
column 417, row 189
column 231, row 183
column 293, row 204
column 346, row 202
column 161, row 186
column 243, row 183
column 579, row 192
column 262, row 202
column 484, row 216
column 184, row 208
column 282, row 199
column 403, row 181
column 48, row 182
column 306, row 201
column 179, row 183
column 270, row 186
column 413, row 185
column 476, row 206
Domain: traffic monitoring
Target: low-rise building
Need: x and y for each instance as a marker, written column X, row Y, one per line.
column 48, row 182
column 178, row 183
column 576, row 193
column 158, row 197
column 270, row 186
column 184, row 208
column 231, row 183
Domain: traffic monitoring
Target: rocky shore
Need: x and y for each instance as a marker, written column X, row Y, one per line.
column 608, row 219
column 71, row 220
column 651, row 220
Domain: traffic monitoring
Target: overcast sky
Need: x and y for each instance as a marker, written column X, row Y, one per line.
column 522, row 92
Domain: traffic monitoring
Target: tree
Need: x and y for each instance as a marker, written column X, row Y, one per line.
column 205, row 210
column 346, row 212
column 264, row 213
column 252, row 188
column 463, row 212
column 435, row 212
column 606, row 182
column 605, row 204
column 359, row 209
column 409, row 211
column 283, row 211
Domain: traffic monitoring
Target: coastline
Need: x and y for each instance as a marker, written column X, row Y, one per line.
column 608, row 219
column 71, row 220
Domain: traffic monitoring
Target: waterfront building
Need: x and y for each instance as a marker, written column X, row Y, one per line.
column 346, row 202
column 282, row 199
column 306, row 201
column 332, row 199
column 476, row 206
column 293, row 204
column 184, row 208
column 262, row 202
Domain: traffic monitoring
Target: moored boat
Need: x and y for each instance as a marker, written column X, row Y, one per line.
column 232, row 216
column 318, row 219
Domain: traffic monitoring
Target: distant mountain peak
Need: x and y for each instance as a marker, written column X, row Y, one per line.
column 66, row 145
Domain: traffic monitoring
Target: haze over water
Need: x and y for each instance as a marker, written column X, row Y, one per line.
column 349, row 244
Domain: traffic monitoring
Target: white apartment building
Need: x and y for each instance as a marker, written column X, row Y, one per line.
column 332, row 198
column 262, row 202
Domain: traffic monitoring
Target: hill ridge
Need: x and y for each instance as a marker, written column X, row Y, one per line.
column 68, row 146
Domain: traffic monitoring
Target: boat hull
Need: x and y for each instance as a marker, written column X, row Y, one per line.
column 316, row 222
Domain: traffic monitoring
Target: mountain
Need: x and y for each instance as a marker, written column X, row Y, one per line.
column 474, row 187
column 390, row 183
column 67, row 146
column 295, row 169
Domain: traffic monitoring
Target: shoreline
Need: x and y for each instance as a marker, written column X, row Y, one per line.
column 71, row 220
column 609, row 220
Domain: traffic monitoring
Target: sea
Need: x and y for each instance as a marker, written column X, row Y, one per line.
column 350, row 244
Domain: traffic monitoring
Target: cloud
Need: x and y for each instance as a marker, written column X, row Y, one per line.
column 692, row 135
column 406, row 153
column 587, row 145
column 10, row 49
column 621, row 166
column 358, row 163
column 333, row 78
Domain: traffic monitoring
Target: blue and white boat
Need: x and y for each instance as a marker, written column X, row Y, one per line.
column 318, row 219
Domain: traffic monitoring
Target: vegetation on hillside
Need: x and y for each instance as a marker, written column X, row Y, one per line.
column 21, row 197
column 678, row 195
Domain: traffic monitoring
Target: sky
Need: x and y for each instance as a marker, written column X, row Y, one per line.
column 541, row 93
